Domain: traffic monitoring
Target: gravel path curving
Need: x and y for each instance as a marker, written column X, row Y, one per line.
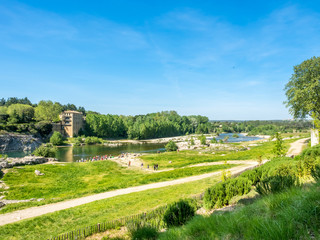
column 49, row 208
column 296, row 147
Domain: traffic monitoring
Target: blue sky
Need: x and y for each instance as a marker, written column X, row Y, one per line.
column 227, row 60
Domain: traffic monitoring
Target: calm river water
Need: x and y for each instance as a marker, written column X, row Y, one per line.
column 71, row 154
column 241, row 138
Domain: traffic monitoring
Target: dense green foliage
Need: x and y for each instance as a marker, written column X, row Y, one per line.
column 278, row 148
column 20, row 115
column 45, row 150
column 292, row 214
column 171, row 146
column 144, row 233
column 315, row 173
column 56, row 138
column 275, row 184
column 153, row 125
column 311, row 152
column 203, row 140
column 48, row 111
column 220, row 194
column 92, row 140
column 303, row 89
column 261, row 127
column 178, row 213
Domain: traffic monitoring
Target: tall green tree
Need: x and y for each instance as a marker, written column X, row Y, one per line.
column 56, row 138
column 303, row 90
column 48, row 111
column 20, row 113
column 278, row 148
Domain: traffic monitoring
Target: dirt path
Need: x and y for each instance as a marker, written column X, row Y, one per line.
column 49, row 208
column 296, row 147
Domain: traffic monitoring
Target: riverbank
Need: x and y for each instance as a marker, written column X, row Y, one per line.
column 28, row 160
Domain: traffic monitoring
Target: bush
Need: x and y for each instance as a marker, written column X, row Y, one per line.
column 45, row 150
column 315, row 173
column 43, row 127
column 214, row 140
column 56, row 138
column 1, row 174
column 203, row 139
column 220, row 194
column 92, row 140
column 275, row 184
column 312, row 152
column 178, row 213
column 171, row 146
column 145, row 232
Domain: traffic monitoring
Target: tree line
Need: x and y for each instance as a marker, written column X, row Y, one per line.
column 21, row 115
column 152, row 125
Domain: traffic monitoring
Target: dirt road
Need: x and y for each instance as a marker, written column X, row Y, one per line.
column 296, row 147
column 49, row 208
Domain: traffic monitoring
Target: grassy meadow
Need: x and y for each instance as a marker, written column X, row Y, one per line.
column 189, row 157
column 53, row 224
column 72, row 180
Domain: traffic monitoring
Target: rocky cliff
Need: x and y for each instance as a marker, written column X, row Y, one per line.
column 18, row 142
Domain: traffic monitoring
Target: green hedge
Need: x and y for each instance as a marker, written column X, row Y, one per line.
column 220, row 194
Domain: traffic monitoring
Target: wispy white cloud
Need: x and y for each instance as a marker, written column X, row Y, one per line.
column 23, row 28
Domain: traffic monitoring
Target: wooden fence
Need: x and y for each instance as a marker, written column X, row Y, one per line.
column 152, row 218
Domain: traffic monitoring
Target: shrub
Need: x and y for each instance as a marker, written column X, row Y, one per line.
column 43, row 127
column 315, row 173
column 278, row 148
column 145, row 232
column 56, row 138
column 192, row 141
column 220, row 194
column 214, row 140
column 45, row 150
column 275, row 184
column 1, row 174
column 92, row 140
column 312, row 152
column 203, row 139
column 178, row 213
column 171, row 146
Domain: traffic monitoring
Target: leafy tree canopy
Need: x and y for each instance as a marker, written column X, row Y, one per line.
column 303, row 89
column 48, row 111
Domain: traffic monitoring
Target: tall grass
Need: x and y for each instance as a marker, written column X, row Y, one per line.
column 293, row 214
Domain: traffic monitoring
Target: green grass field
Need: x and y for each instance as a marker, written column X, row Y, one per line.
column 185, row 158
column 74, row 180
column 53, row 224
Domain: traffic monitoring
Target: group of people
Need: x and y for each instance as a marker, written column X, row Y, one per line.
column 102, row 158
column 106, row 157
column 96, row 158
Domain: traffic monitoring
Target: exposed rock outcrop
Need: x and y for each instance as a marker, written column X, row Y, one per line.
column 18, row 142
column 28, row 160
